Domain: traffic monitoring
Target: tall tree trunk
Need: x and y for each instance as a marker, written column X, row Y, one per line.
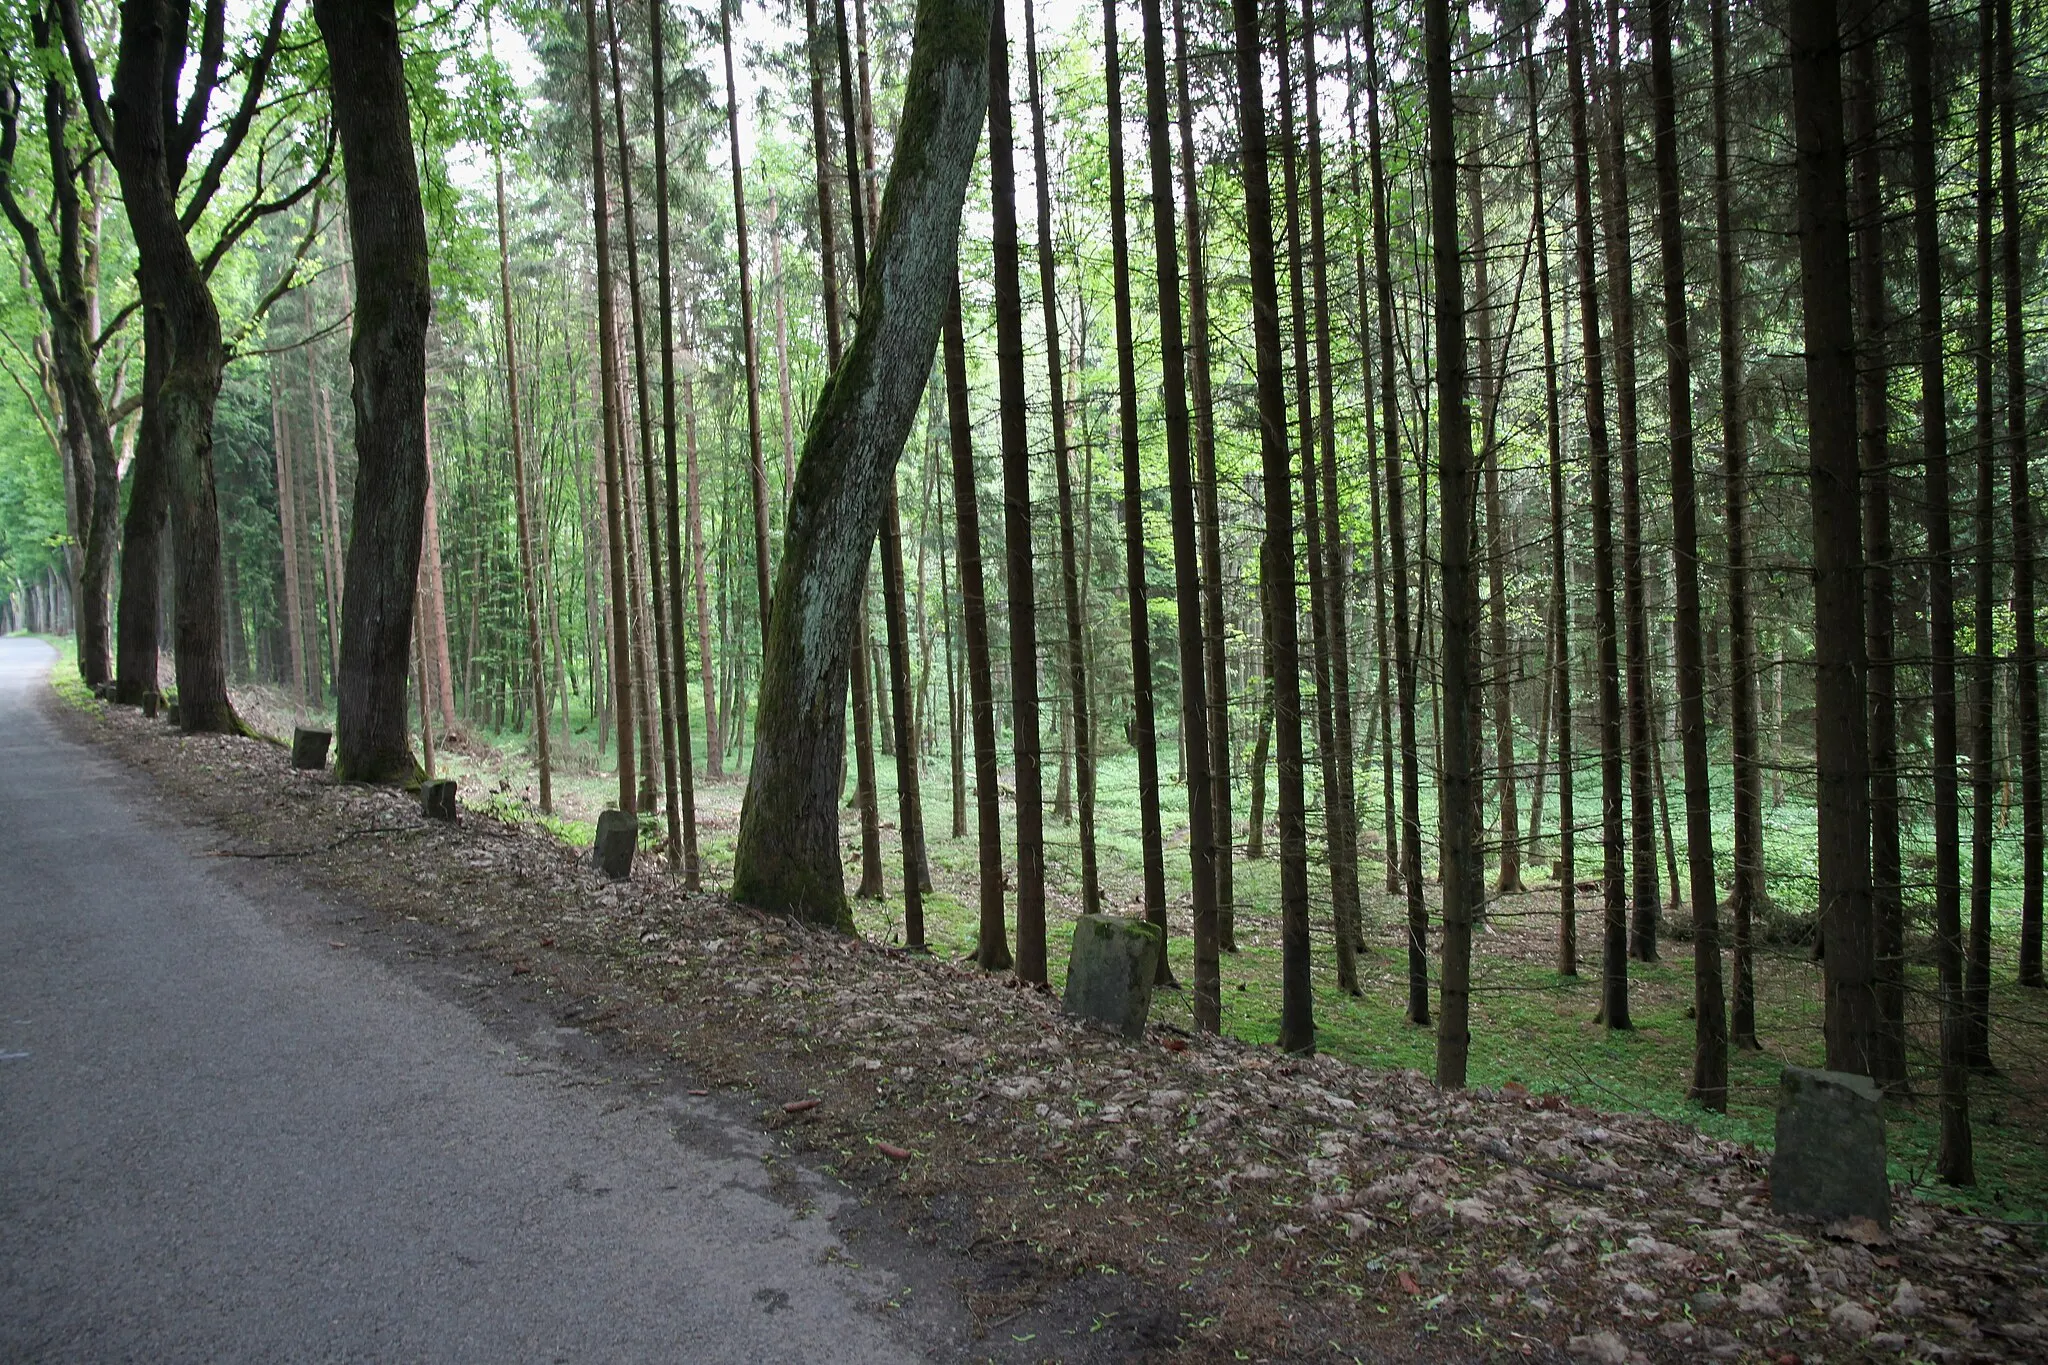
column 1464, row 873
column 1498, row 662
column 678, row 632
column 782, row 384
column 1746, row 898
column 1888, row 1058
column 1017, row 548
column 655, row 601
column 867, row 798
column 388, row 351
column 1983, row 760
column 1710, row 1030
column 756, row 464
column 1215, row 663
column 1560, row 681
column 608, row 397
column 1614, row 894
column 787, row 856
column 1390, row 837
column 1144, row 731
column 2027, row 666
column 1636, row 653
column 909, row 800
column 529, row 581
column 1841, row 729
column 1340, row 799
column 1312, row 525
column 1080, row 722
column 288, row 530
column 1404, row 649
column 1194, row 704
column 992, row 948
column 714, row 731
column 1276, row 555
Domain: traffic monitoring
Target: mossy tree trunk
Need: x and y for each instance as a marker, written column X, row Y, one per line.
column 787, row 857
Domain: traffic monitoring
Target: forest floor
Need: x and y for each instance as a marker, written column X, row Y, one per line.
column 1216, row 1199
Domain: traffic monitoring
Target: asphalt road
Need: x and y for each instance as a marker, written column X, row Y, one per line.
column 222, row 1140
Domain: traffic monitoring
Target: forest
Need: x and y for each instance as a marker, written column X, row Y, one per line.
column 1473, row 518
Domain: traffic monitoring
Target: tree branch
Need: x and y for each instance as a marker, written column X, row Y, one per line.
column 237, row 128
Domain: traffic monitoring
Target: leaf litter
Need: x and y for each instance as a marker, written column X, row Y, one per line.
column 1272, row 1207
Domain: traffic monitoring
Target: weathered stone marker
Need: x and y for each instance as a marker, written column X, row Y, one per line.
column 309, row 748
column 1109, row 978
column 437, row 799
column 150, row 701
column 618, row 834
column 1829, row 1161
column 171, row 713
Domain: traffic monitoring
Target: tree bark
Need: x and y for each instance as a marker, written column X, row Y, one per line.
column 1614, row 894
column 1747, row 895
column 1276, row 556
column 992, row 948
column 787, row 856
column 1336, row 821
column 1017, row 548
column 388, row 354
column 1404, row 648
column 1841, row 733
column 1710, row 1032
column 1144, row 730
column 1888, row 1059
column 2026, row 658
column 1464, row 873
column 662, row 688
column 1080, row 716
column 756, row 465
column 1560, row 680
column 1194, row 704
column 608, row 399
column 1215, row 662
column 678, row 631
column 1984, row 673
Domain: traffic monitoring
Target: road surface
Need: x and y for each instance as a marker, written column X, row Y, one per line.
column 222, row 1140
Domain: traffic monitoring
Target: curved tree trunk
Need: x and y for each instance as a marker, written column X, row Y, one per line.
column 787, row 857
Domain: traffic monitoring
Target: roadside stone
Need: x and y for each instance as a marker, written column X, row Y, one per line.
column 437, row 799
column 1829, row 1162
column 1754, row 1298
column 1852, row 1319
column 618, row 835
column 1605, row 1348
column 309, row 748
column 1109, row 978
column 1907, row 1301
